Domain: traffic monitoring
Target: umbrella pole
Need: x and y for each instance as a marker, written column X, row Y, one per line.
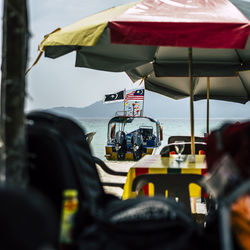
column 191, row 101
column 208, row 90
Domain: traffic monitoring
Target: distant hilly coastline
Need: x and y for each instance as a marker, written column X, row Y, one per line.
column 158, row 106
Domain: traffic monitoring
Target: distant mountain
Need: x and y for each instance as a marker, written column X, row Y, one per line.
column 97, row 109
column 158, row 106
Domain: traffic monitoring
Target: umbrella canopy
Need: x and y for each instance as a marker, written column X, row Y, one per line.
column 156, row 32
column 226, row 88
column 131, row 35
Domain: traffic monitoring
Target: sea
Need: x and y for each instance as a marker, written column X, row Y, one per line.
column 171, row 126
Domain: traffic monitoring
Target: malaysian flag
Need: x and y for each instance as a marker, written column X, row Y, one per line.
column 135, row 95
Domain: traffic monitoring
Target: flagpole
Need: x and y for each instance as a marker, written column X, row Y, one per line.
column 143, row 97
column 124, row 94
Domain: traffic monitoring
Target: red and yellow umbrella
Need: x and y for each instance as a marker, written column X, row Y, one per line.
column 157, row 31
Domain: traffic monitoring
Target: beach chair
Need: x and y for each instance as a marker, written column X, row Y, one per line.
column 200, row 148
column 184, row 138
column 177, row 185
column 200, row 145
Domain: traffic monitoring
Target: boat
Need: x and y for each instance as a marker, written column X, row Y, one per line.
column 132, row 137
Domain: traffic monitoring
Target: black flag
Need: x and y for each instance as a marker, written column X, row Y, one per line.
column 116, row 97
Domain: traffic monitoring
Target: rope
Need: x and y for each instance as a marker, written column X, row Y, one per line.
column 41, row 50
column 143, row 78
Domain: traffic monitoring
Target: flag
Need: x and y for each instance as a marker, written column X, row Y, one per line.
column 116, row 97
column 135, row 95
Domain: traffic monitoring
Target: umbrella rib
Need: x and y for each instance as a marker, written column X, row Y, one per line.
column 195, row 83
column 156, row 53
column 242, row 80
column 244, row 85
column 168, row 89
column 239, row 57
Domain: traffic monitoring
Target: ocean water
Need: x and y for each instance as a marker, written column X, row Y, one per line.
column 170, row 126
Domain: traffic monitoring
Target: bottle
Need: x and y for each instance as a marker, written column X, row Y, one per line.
column 69, row 209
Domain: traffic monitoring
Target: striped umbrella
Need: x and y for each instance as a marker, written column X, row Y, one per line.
column 158, row 32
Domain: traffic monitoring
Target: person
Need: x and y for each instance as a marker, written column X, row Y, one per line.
column 112, row 131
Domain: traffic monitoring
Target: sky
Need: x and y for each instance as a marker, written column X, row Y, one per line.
column 57, row 82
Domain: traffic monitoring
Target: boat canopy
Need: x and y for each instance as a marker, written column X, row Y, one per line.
column 130, row 119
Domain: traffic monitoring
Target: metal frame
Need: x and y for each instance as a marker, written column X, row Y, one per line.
column 110, row 171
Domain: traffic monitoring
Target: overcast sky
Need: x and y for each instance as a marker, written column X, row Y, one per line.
column 53, row 83
column 57, row 82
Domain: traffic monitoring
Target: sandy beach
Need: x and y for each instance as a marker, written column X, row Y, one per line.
column 116, row 166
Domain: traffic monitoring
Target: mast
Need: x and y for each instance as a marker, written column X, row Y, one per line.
column 191, row 101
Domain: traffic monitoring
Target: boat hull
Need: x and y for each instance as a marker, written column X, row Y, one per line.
column 111, row 155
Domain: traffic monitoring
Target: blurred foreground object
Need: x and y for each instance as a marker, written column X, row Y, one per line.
column 240, row 216
column 14, row 59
